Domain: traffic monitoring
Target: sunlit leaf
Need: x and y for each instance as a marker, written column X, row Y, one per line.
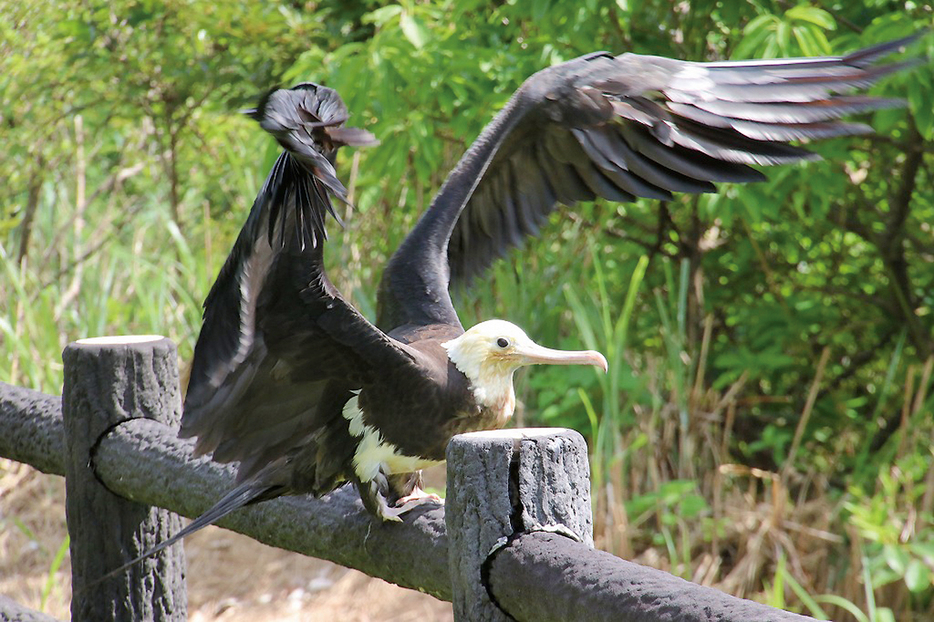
column 414, row 30
column 917, row 576
column 814, row 15
column 382, row 15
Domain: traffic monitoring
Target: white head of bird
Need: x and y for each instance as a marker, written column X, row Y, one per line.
column 490, row 353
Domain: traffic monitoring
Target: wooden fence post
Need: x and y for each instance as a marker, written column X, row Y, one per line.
column 109, row 380
column 502, row 484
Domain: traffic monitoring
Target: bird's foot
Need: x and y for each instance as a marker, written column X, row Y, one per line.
column 420, row 496
column 389, row 514
column 393, row 513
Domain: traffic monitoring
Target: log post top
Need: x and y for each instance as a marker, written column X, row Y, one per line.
column 118, row 340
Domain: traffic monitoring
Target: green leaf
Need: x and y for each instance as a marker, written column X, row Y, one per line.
column 922, row 549
column 920, row 98
column 783, row 36
column 884, row 614
column 811, row 40
column 755, row 35
column 382, row 15
column 759, row 24
column 53, row 570
column 804, row 39
column 917, row 576
column 692, row 506
column 896, row 558
column 839, row 601
column 414, row 30
column 885, row 121
column 806, row 598
column 814, row 15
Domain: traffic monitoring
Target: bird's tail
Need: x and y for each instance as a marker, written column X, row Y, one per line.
column 250, row 491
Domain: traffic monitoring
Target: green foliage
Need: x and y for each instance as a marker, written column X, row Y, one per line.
column 882, row 521
column 128, row 173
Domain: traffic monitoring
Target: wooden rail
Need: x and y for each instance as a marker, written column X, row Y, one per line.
column 515, row 543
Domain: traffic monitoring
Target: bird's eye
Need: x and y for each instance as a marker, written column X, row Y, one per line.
column 502, row 342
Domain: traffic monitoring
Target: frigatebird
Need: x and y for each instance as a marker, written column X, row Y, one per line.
column 305, row 393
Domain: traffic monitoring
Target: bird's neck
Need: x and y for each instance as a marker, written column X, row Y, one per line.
column 497, row 401
column 490, row 384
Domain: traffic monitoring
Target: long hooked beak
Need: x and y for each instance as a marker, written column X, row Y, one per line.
column 532, row 354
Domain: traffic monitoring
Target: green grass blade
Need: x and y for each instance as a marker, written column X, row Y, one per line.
column 53, row 570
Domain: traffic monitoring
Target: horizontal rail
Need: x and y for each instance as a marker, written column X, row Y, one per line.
column 31, row 428
column 11, row 611
column 550, row 578
column 144, row 461
column 535, row 576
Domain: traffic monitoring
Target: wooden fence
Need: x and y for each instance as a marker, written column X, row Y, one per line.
column 515, row 541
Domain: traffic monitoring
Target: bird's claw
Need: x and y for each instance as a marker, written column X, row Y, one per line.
column 405, row 504
column 419, row 496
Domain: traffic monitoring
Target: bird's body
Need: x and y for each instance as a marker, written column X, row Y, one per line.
column 295, row 384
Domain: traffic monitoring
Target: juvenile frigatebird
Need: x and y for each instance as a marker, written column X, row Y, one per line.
column 295, row 384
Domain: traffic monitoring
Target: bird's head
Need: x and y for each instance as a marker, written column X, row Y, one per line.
column 490, row 352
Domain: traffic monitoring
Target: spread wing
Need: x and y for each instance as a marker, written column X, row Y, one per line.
column 620, row 128
column 276, row 332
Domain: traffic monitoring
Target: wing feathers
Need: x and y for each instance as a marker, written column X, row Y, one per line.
column 770, row 131
column 568, row 186
column 731, row 146
column 871, row 54
column 810, row 112
column 600, row 185
column 616, row 156
column 530, row 193
column 692, row 164
column 276, row 333
column 502, row 193
column 643, row 126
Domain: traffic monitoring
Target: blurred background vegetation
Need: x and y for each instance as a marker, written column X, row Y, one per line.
column 766, row 426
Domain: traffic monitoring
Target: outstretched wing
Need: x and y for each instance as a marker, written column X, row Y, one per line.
column 642, row 126
column 620, row 128
column 276, row 331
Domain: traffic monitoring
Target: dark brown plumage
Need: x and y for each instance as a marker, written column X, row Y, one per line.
column 296, row 385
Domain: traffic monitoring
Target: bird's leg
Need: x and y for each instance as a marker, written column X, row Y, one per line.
column 389, row 497
column 373, row 494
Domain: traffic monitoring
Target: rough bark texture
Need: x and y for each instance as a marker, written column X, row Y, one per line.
column 31, row 428
column 504, row 483
column 554, row 484
column 478, row 512
column 105, row 384
column 10, row 611
column 547, row 577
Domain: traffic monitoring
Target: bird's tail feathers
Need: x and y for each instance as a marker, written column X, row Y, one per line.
column 248, row 492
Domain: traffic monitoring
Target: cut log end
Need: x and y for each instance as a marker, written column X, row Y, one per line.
column 516, row 433
column 118, row 340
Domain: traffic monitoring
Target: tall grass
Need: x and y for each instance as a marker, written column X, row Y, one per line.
column 150, row 283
